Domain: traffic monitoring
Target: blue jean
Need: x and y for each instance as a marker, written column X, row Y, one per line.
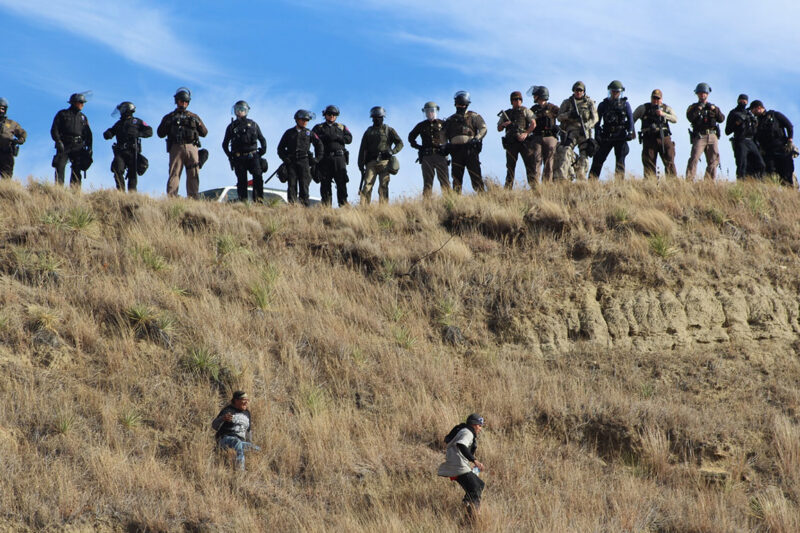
column 238, row 445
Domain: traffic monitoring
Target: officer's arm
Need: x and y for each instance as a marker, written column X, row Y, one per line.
column 412, row 138
column 348, row 137
column 786, row 123
column 109, row 133
column 669, row 114
column 594, row 116
column 87, row 135
column 629, row 114
column 20, row 134
column 201, row 128
column 532, row 125
column 163, row 128
column 261, row 140
column 638, row 113
column 730, row 123
column 54, row 133
column 145, row 131
column 691, row 112
column 565, row 110
column 226, row 141
column 282, row 148
column 480, row 127
column 398, row 142
column 362, row 152
column 720, row 115
column 601, row 111
column 319, row 148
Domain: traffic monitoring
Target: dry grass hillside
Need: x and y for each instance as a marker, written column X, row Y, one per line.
column 633, row 347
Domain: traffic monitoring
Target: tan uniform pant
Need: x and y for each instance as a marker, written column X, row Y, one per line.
column 434, row 163
column 708, row 144
column 380, row 170
column 544, row 151
column 184, row 156
column 567, row 165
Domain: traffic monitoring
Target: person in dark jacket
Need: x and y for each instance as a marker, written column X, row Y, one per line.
column 233, row 426
column 613, row 130
column 743, row 124
column 333, row 166
column 294, row 149
column 774, row 137
column 244, row 145
column 462, row 443
column 73, row 139
column 128, row 149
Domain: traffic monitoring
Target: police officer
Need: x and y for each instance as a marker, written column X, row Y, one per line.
column 518, row 122
column 294, row 149
column 655, row 135
column 577, row 116
column 433, row 150
column 11, row 136
column 704, row 117
column 613, row 130
column 128, row 148
column 244, row 145
column 333, row 167
column 774, row 136
column 73, row 138
column 465, row 132
column 545, row 134
column 743, row 124
column 183, row 130
column 375, row 156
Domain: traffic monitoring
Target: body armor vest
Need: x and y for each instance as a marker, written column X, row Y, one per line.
column 615, row 117
column 183, row 129
column 459, row 124
column 244, row 137
column 652, row 124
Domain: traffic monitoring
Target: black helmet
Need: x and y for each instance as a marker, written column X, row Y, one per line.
column 124, row 109
column 462, row 98
column 539, row 91
column 241, row 105
column 303, row 114
column 77, row 98
column 331, row 110
column 579, row 85
column 702, row 88
column 377, row 112
column 3, row 103
column 183, row 95
column 616, row 85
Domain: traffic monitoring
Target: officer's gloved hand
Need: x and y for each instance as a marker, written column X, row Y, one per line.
column 631, row 136
column 361, row 168
column 261, row 151
column 89, row 151
column 59, row 146
column 107, row 135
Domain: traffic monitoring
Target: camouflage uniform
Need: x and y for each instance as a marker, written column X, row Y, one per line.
column 567, row 166
column 378, row 145
column 11, row 135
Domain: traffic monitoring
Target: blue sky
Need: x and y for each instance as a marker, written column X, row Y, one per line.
column 281, row 56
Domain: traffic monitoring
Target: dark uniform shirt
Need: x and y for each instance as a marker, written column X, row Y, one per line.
column 431, row 133
column 704, row 118
column 243, row 136
column 181, row 127
column 615, row 120
column 546, row 115
column 71, row 127
column 333, row 136
column 127, row 131
column 10, row 133
column 774, row 129
column 296, row 144
column 377, row 141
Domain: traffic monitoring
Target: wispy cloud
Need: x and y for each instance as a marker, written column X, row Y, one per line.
column 139, row 31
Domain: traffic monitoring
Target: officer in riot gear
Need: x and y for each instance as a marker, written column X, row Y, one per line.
column 376, row 156
column 544, row 137
column 742, row 123
column 518, row 122
column 129, row 131
column 465, row 132
column 183, row 130
column 655, row 135
column 704, row 117
column 577, row 116
column 433, row 150
column 244, row 145
column 294, row 149
column 73, row 140
column 774, row 136
column 333, row 166
column 613, row 130
column 11, row 136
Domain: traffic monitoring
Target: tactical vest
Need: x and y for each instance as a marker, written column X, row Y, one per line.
column 128, row 131
column 748, row 125
column 376, row 140
column 770, row 130
column 183, row 129
column 432, row 134
column 652, row 124
column 615, row 117
column 71, row 124
column 519, row 122
column 459, row 124
column 705, row 119
column 545, row 120
column 331, row 135
column 244, row 136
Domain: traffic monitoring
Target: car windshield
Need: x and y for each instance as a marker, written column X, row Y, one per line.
column 211, row 194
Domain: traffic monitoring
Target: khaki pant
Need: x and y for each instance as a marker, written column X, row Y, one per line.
column 708, row 144
column 567, row 165
column 184, row 156
column 434, row 163
column 514, row 150
column 380, row 170
column 651, row 149
column 544, row 151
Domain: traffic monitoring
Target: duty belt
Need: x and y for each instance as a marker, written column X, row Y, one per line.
column 244, row 154
column 335, row 153
column 430, row 150
column 300, row 154
column 707, row 132
column 73, row 139
column 544, row 133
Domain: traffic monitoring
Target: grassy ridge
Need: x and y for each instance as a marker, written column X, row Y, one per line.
column 632, row 346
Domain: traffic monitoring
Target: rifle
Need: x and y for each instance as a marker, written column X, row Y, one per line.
column 361, row 185
column 580, row 117
column 273, row 174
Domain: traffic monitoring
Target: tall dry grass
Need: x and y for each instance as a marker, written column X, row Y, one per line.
column 125, row 322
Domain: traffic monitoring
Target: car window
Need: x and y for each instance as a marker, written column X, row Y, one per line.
column 211, row 194
column 232, row 196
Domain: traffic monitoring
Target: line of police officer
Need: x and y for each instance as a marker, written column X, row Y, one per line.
column 545, row 136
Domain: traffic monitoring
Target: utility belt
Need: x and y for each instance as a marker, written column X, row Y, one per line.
column 244, row 154
column 71, row 139
column 125, row 146
column 379, row 156
column 335, row 153
column 431, row 150
column 545, row 133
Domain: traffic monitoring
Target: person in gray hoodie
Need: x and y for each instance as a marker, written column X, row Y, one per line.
column 462, row 443
column 232, row 425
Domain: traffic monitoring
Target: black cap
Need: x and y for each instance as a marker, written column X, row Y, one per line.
column 240, row 395
column 743, row 97
column 756, row 103
column 474, row 420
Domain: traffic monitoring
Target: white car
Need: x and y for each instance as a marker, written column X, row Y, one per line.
column 230, row 194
